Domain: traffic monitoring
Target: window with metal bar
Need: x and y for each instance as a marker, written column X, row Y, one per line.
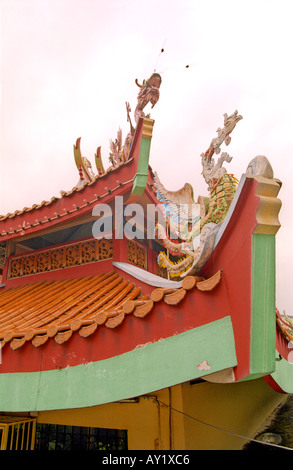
column 60, row 437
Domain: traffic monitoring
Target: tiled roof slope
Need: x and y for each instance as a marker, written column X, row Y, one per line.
column 72, row 204
column 64, row 194
column 57, row 309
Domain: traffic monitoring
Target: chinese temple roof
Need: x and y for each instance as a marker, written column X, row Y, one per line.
column 233, row 227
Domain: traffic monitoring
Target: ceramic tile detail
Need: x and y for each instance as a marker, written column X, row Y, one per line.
column 58, row 309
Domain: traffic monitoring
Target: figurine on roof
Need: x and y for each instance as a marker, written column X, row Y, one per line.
column 148, row 93
column 119, row 151
column 116, row 154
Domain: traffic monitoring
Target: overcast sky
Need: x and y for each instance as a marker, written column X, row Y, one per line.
column 68, row 66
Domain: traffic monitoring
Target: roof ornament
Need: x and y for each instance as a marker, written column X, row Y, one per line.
column 119, row 151
column 84, row 166
column 116, row 150
column 211, row 171
column 197, row 241
column 148, row 93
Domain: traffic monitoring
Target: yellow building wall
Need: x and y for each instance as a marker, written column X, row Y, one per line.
column 240, row 408
column 152, row 424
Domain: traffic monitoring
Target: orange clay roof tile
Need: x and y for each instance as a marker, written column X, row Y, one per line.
column 284, row 326
column 57, row 309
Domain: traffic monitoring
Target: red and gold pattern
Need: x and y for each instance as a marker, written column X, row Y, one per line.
column 137, row 254
column 65, row 256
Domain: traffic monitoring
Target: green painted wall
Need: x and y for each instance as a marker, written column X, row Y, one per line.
column 146, row 369
column 140, row 178
column 263, row 318
column 283, row 375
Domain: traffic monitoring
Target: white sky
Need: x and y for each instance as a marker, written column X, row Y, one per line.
column 68, row 66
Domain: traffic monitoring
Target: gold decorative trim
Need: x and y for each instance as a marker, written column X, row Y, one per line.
column 267, row 214
column 137, row 254
column 74, row 254
column 3, row 254
column 147, row 129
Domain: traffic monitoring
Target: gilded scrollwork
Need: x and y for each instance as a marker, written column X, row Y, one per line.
column 3, row 254
column 15, row 268
column 43, row 262
column 29, row 265
column 72, row 255
column 137, row 254
column 88, row 252
column 57, row 258
column 66, row 256
column 105, row 248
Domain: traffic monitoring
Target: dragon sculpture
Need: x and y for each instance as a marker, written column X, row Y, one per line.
column 148, row 93
column 195, row 243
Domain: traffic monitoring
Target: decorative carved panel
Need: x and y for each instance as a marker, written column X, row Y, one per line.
column 29, row 265
column 43, row 262
column 72, row 255
column 15, row 268
column 57, row 258
column 162, row 272
column 137, row 254
column 88, row 252
column 3, row 253
column 105, row 249
column 65, row 256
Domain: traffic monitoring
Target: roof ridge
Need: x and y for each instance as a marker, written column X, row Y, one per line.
column 11, row 215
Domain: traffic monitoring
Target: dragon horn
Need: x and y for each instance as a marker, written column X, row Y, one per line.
column 136, row 81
